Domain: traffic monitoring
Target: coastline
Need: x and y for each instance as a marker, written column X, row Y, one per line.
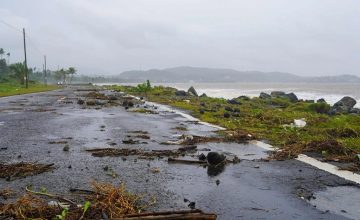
column 246, row 121
column 302, row 90
column 330, row 168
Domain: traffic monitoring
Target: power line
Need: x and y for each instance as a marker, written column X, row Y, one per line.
column 27, row 36
column 29, row 39
column 34, row 44
column 10, row 26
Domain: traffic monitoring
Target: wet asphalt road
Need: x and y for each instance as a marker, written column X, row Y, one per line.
column 252, row 189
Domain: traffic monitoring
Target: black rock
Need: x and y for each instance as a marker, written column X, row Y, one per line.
column 80, row 102
column 355, row 111
column 215, row 158
column 226, row 115
column 292, row 97
column 66, row 148
column 191, row 205
column 321, row 100
column 234, row 102
column 229, row 109
column 202, row 111
column 244, row 97
column 264, row 95
column 202, row 157
column 192, row 91
column 180, row 93
column 213, row 170
column 277, row 94
column 343, row 106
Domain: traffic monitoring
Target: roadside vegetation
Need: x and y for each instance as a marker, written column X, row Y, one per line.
column 333, row 137
column 12, row 77
column 10, row 89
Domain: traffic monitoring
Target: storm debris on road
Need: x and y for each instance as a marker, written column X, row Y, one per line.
column 115, row 152
column 103, row 199
column 329, row 150
column 6, row 193
column 228, row 137
column 58, row 142
column 23, row 169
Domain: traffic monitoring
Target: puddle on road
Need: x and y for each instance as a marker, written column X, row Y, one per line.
column 328, row 200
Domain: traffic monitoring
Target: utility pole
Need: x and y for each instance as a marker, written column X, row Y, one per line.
column 25, row 63
column 45, row 71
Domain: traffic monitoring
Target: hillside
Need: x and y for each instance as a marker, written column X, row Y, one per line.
column 197, row 74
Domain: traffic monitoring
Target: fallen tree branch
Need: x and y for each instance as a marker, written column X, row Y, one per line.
column 173, row 160
column 179, row 215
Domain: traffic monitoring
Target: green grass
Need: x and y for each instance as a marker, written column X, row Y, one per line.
column 10, row 89
column 265, row 118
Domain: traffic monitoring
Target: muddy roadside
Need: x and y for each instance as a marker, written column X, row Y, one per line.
column 56, row 128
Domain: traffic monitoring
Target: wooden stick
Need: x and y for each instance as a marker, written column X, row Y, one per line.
column 181, row 215
column 173, row 160
column 187, row 148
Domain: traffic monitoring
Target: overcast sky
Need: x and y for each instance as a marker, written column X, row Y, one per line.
column 305, row 37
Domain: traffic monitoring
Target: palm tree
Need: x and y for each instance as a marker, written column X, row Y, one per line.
column 18, row 70
column 71, row 71
column 8, row 56
column 1, row 52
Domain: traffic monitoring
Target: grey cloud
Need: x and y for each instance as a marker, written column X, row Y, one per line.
column 310, row 37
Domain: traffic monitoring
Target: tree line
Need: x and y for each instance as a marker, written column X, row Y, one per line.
column 15, row 72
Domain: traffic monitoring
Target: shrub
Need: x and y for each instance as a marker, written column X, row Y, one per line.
column 321, row 107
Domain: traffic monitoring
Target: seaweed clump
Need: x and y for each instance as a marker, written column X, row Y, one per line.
column 23, row 169
column 103, row 201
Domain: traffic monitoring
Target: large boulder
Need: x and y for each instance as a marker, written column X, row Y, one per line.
column 343, row 106
column 321, row 100
column 244, row 97
column 277, row 94
column 264, row 95
column 180, row 93
column 215, row 158
column 234, row 102
column 355, row 111
column 292, row 97
column 229, row 109
column 192, row 91
column 226, row 115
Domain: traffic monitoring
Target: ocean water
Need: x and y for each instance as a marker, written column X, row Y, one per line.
column 331, row 92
